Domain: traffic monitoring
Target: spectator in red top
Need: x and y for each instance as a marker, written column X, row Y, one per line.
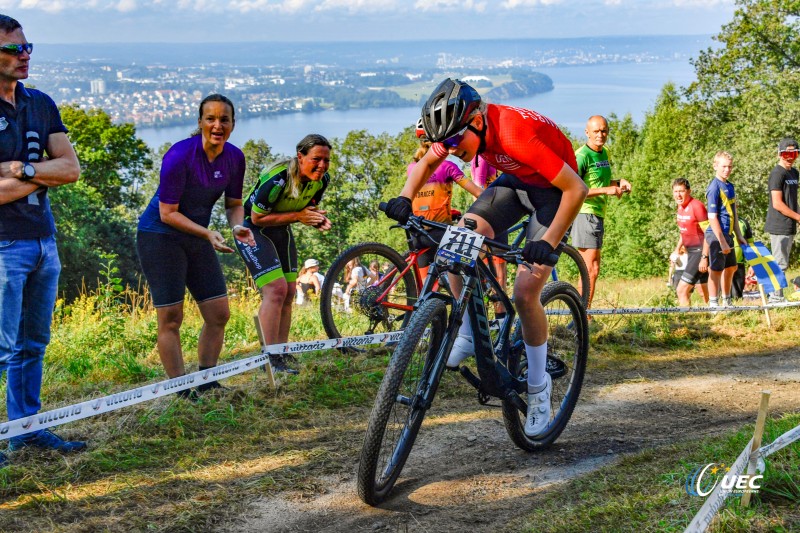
column 539, row 177
column 691, row 213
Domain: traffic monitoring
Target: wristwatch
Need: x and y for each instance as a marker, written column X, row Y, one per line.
column 703, row 256
column 28, row 172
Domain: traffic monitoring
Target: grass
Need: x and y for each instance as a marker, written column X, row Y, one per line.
column 169, row 465
column 645, row 492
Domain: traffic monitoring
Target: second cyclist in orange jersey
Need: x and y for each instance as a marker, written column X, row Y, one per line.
column 434, row 200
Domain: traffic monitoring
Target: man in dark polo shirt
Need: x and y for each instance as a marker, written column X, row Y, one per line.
column 35, row 154
column 782, row 214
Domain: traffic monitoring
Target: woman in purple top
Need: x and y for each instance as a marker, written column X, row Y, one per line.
column 177, row 249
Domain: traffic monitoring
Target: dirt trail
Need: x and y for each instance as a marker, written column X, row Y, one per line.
column 464, row 472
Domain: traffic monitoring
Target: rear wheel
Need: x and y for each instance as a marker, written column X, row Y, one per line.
column 572, row 269
column 363, row 309
column 398, row 411
column 567, row 352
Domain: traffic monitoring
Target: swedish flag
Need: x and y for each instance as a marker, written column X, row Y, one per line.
column 767, row 271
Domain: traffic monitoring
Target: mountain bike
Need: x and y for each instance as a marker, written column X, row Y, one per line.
column 385, row 304
column 418, row 362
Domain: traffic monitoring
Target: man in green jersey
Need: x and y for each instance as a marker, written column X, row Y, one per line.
column 594, row 166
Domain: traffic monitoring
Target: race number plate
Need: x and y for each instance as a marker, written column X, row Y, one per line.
column 460, row 245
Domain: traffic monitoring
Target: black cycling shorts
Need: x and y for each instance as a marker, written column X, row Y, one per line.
column 508, row 199
column 273, row 257
column 173, row 263
column 691, row 273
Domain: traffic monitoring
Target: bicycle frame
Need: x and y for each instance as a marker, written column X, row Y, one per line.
column 495, row 378
column 411, row 263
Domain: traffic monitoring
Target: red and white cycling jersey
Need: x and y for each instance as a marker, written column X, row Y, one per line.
column 689, row 218
column 523, row 143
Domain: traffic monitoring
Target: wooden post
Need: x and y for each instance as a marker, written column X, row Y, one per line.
column 267, row 366
column 757, row 434
column 764, row 302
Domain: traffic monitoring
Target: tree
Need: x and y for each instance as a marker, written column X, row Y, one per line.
column 759, row 44
column 87, row 230
column 113, row 160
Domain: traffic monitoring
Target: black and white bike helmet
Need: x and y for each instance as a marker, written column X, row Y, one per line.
column 448, row 109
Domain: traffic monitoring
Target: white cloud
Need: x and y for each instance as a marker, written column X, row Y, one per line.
column 127, row 6
column 49, row 6
column 514, row 4
column 701, row 3
column 345, row 7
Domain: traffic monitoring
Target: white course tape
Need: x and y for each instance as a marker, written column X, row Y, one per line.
column 112, row 402
column 662, row 310
column 716, row 499
column 781, row 442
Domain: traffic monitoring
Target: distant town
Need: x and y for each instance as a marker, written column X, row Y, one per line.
column 160, row 94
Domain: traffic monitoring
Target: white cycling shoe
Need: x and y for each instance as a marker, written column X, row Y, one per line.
column 539, row 409
column 463, row 347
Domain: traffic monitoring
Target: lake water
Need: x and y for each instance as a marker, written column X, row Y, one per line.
column 579, row 92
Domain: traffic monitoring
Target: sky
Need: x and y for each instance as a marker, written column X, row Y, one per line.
column 225, row 21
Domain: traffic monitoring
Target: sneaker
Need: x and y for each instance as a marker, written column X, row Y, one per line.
column 539, row 409
column 3, row 460
column 728, row 302
column 463, row 347
column 775, row 298
column 279, row 363
column 46, row 440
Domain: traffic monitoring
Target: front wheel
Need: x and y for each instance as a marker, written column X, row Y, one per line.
column 399, row 406
column 372, row 305
column 567, row 353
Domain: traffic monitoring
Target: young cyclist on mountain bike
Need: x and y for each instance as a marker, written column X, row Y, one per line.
column 539, row 176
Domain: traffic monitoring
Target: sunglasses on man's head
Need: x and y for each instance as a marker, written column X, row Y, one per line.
column 16, row 49
column 455, row 140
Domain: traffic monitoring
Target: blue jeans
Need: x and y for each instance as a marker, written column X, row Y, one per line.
column 29, row 270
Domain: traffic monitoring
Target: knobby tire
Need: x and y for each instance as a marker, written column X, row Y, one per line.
column 398, row 411
column 567, row 351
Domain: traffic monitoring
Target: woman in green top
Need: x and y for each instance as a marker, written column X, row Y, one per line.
column 287, row 192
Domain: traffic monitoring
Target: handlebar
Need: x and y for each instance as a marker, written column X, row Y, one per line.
column 511, row 255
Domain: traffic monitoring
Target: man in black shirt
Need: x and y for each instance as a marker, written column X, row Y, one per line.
column 35, row 155
column 782, row 214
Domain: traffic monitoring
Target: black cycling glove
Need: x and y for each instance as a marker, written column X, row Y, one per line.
column 540, row 252
column 399, row 209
